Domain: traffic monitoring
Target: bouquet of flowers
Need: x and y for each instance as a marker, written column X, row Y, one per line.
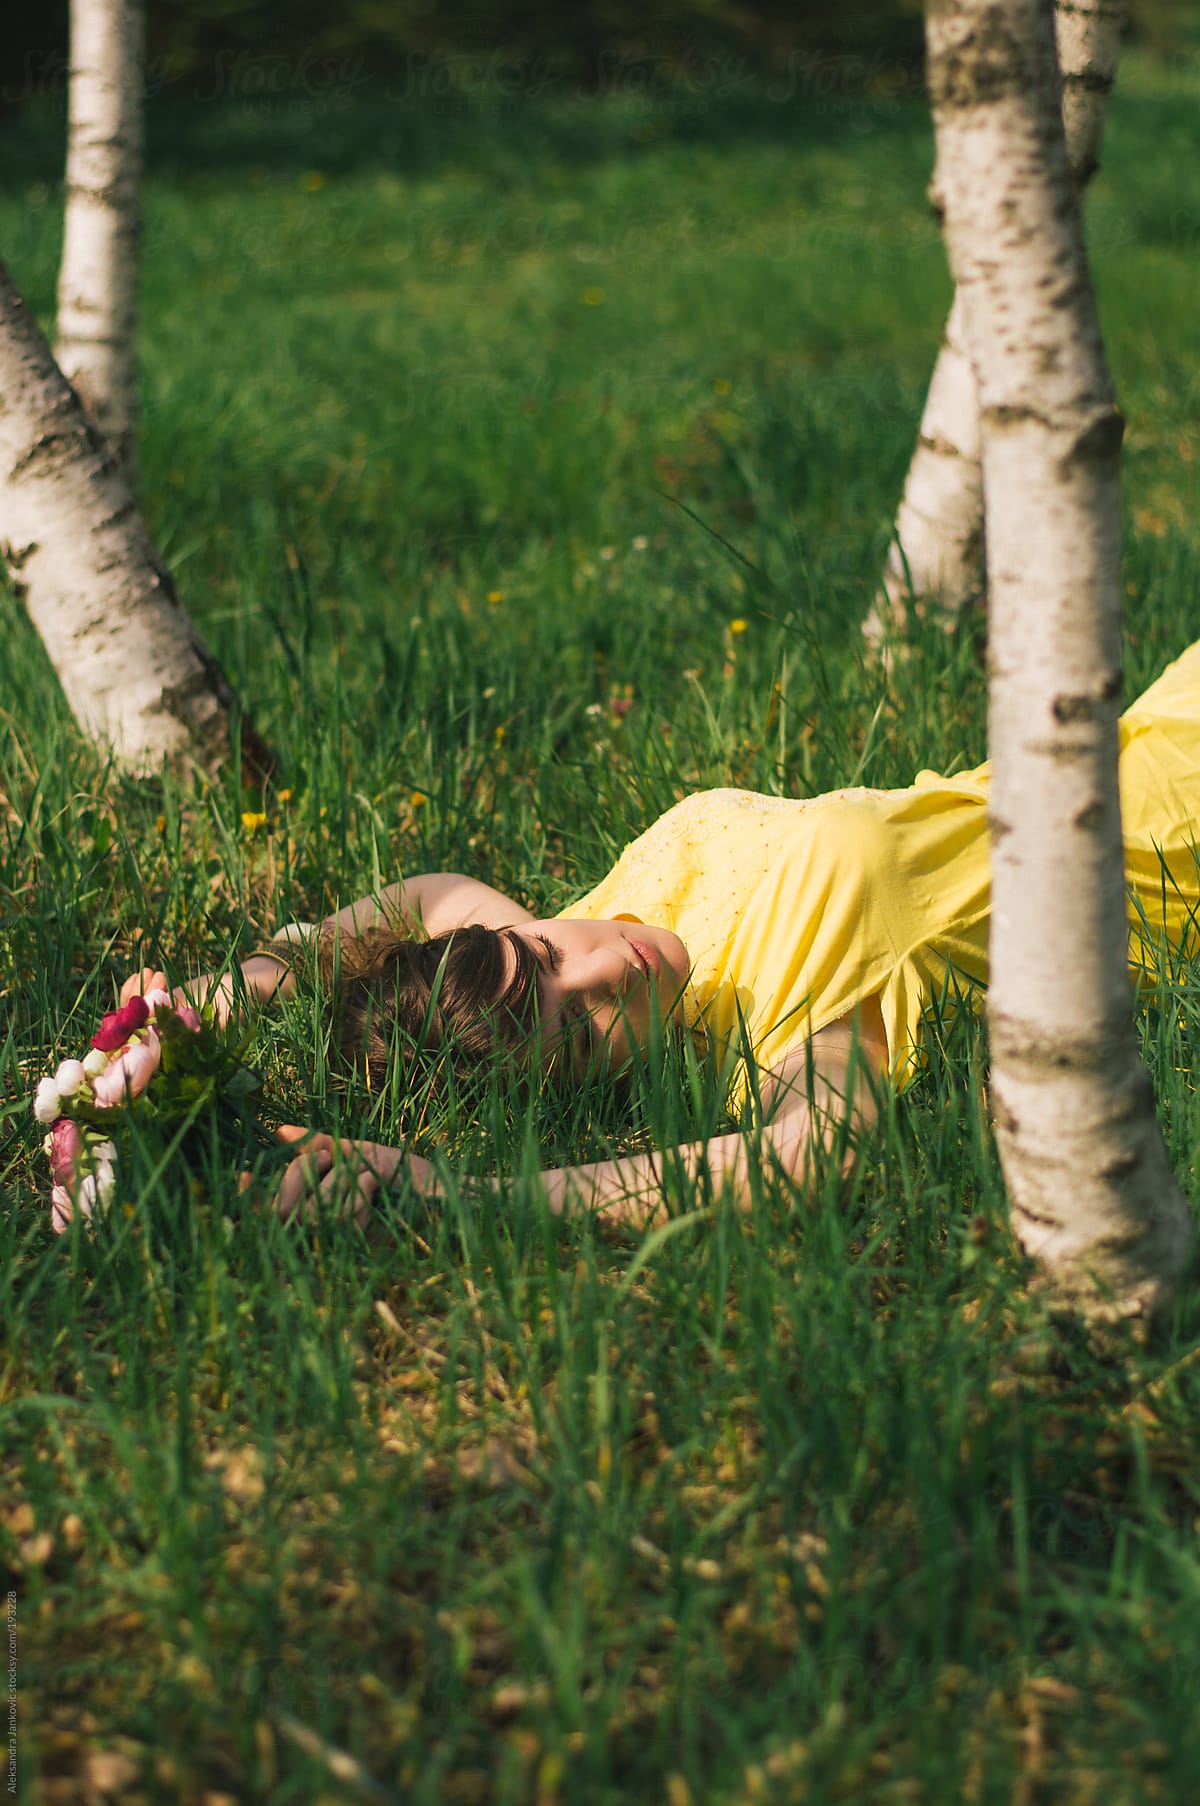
column 152, row 1056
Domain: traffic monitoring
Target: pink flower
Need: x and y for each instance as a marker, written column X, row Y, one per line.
column 189, row 1017
column 66, row 1145
column 65, row 1205
column 116, row 1028
column 62, row 1209
column 130, row 1073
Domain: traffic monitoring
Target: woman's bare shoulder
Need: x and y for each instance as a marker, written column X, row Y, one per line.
column 434, row 901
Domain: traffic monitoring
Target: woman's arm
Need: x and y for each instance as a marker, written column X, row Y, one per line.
column 830, row 1082
column 264, row 976
column 436, row 900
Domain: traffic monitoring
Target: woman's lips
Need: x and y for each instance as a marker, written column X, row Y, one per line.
column 648, row 957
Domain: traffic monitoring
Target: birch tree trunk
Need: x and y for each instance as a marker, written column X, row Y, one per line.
column 134, row 670
column 938, row 544
column 97, row 283
column 1092, row 1192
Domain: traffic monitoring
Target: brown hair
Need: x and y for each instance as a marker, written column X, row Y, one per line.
column 431, row 1010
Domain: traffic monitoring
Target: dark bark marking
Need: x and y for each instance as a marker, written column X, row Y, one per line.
column 1118, row 1167
column 1111, row 1058
column 1100, row 440
column 1005, row 414
column 15, row 556
column 1069, row 709
column 1089, row 80
column 945, row 448
column 1066, row 709
column 989, row 64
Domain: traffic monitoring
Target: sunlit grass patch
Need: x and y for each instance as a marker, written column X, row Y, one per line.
column 809, row 1503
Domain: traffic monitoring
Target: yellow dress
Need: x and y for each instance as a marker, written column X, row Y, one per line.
column 795, row 910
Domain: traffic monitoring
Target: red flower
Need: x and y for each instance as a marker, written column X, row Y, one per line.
column 116, row 1028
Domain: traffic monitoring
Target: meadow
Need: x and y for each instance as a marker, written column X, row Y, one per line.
column 528, row 461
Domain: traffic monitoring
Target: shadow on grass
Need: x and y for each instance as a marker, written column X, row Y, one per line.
column 388, row 125
column 423, row 120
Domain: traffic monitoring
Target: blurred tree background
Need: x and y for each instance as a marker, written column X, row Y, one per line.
column 226, row 44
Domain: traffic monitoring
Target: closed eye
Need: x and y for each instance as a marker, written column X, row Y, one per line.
column 553, row 953
column 578, row 1023
column 550, row 965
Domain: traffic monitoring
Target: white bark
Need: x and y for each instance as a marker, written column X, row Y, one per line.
column 1093, row 1195
column 937, row 548
column 134, row 670
column 938, row 543
column 1087, row 35
column 97, row 284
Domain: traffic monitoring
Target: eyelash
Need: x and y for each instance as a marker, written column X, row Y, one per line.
column 553, row 953
column 580, row 1019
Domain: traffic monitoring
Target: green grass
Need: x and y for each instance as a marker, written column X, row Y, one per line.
column 445, row 448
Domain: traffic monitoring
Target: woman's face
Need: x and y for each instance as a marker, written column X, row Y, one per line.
column 603, row 985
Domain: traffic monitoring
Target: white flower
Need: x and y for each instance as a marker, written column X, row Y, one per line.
column 158, row 999
column 95, row 1062
column 87, row 1194
column 69, row 1077
column 106, row 1180
column 105, row 1151
column 47, row 1102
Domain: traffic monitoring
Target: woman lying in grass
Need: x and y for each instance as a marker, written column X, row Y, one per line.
column 474, row 973
column 817, row 931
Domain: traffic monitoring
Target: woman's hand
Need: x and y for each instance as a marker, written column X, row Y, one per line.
column 341, row 1173
column 264, row 976
column 211, row 993
column 139, row 983
column 216, row 993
